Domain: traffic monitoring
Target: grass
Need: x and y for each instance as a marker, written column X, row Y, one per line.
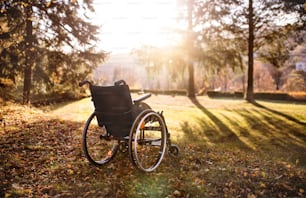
column 265, row 126
column 229, row 148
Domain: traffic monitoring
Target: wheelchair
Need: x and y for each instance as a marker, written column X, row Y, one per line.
column 119, row 123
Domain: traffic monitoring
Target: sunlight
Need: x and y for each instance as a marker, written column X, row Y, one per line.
column 128, row 24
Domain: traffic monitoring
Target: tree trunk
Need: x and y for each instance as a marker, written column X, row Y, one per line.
column 250, row 86
column 29, row 58
column 191, row 90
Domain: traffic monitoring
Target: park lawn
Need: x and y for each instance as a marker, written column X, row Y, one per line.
column 229, row 148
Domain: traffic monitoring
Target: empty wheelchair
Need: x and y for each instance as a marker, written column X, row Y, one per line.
column 119, row 123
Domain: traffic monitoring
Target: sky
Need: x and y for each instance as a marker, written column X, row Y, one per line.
column 128, row 24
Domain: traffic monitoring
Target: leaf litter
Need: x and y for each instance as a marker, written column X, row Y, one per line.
column 41, row 156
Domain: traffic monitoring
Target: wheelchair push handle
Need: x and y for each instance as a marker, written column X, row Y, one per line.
column 85, row 82
column 119, row 82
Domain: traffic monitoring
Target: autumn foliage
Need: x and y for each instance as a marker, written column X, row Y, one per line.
column 41, row 156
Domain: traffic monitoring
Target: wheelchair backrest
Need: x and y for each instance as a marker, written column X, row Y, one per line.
column 113, row 107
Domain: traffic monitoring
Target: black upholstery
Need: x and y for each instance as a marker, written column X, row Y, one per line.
column 113, row 107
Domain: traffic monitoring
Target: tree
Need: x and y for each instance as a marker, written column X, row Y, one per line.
column 250, row 85
column 191, row 89
column 276, row 53
column 153, row 59
column 250, row 22
column 50, row 38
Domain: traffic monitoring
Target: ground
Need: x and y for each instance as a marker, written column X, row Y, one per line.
column 228, row 148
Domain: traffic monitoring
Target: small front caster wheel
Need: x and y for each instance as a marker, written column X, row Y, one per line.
column 174, row 150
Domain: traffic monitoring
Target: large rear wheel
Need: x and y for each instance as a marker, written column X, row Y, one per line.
column 148, row 140
column 99, row 148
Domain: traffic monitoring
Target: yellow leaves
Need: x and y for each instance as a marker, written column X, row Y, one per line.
column 4, row 28
column 24, row 4
column 262, row 185
column 301, row 192
column 263, row 174
column 197, row 181
column 177, row 193
column 50, row 2
column 5, row 81
column 250, row 195
column 2, row 10
column 7, row 195
column 70, row 172
column 45, row 154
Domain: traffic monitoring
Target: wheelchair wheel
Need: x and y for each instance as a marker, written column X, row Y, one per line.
column 99, row 148
column 148, row 141
column 174, row 150
column 138, row 108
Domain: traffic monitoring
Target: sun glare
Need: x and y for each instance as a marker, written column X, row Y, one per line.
column 129, row 24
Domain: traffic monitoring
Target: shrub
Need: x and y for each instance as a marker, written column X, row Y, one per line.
column 293, row 96
column 172, row 92
column 217, row 94
column 271, row 96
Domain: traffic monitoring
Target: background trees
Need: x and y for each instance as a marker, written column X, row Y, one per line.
column 253, row 23
column 50, row 44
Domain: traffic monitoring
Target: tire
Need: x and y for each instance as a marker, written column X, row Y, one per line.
column 98, row 148
column 174, row 150
column 148, row 141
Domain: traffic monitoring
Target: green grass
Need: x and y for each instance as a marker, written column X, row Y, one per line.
column 228, row 148
column 267, row 126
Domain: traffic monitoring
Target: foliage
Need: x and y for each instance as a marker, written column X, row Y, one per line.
column 278, row 50
column 6, row 85
column 239, row 20
column 156, row 60
column 49, row 43
column 41, row 153
column 296, row 81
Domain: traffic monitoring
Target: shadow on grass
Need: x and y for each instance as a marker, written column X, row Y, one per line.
column 259, row 129
column 215, row 132
column 279, row 113
column 43, row 157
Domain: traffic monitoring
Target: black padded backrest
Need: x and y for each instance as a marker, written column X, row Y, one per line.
column 111, row 98
column 113, row 107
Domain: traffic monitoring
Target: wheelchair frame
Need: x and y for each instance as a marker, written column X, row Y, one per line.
column 147, row 139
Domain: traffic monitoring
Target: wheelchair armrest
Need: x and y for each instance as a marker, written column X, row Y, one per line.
column 141, row 98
